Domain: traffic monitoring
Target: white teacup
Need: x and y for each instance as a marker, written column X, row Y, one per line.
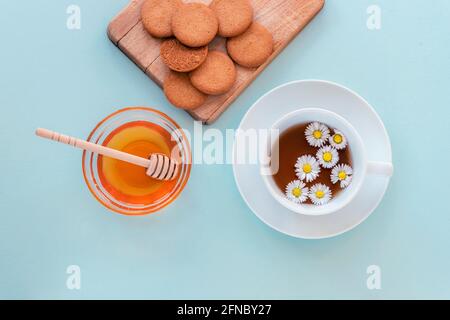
column 362, row 166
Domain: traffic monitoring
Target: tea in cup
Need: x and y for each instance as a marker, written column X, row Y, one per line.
column 318, row 162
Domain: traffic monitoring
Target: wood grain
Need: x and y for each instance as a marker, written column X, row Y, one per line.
column 284, row 19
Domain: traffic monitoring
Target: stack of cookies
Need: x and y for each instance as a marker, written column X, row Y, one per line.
column 188, row 29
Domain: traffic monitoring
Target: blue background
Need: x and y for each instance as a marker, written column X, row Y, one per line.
column 208, row 244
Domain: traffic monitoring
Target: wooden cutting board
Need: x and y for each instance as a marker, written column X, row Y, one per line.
column 284, row 19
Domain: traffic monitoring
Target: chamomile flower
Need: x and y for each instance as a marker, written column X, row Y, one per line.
column 338, row 140
column 320, row 194
column 328, row 157
column 317, row 134
column 342, row 173
column 307, row 168
column 297, row 191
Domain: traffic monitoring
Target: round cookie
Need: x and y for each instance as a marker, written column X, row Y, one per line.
column 252, row 48
column 180, row 58
column 216, row 75
column 194, row 24
column 181, row 93
column 235, row 16
column 157, row 16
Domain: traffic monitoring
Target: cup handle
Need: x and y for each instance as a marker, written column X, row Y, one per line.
column 380, row 168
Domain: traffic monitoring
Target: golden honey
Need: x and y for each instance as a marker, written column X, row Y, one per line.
column 127, row 182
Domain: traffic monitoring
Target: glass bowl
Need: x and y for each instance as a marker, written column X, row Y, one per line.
column 117, row 120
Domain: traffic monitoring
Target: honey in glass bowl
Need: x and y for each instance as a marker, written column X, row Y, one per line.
column 126, row 188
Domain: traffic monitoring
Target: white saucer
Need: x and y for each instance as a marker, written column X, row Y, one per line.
column 327, row 95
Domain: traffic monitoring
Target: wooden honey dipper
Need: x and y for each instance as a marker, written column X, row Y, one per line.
column 159, row 166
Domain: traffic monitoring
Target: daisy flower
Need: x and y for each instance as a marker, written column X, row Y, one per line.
column 307, row 168
column 320, row 194
column 297, row 191
column 338, row 140
column 317, row 134
column 342, row 173
column 328, row 157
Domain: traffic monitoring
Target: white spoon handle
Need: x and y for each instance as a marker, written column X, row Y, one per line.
column 89, row 146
